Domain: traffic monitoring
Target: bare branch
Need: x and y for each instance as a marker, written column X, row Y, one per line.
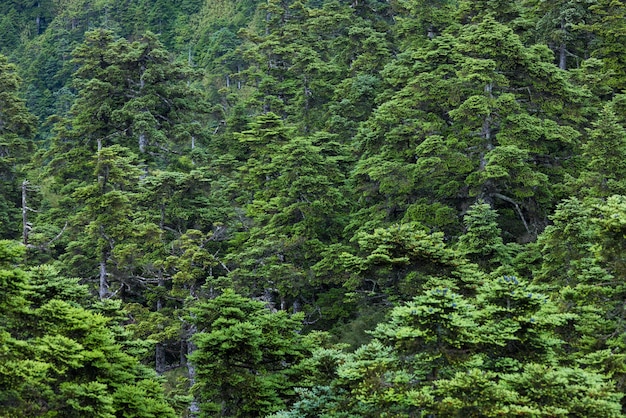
column 517, row 208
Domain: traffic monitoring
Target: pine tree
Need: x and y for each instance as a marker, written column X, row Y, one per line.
column 607, row 23
column 482, row 242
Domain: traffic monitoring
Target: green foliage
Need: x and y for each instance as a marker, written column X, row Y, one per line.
column 536, row 391
column 449, row 355
column 607, row 23
column 62, row 359
column 293, row 193
column 398, row 262
column 391, row 172
column 456, row 127
column 604, row 171
column 482, row 242
column 246, row 356
column 17, row 127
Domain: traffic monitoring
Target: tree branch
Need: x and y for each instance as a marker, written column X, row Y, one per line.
column 517, row 208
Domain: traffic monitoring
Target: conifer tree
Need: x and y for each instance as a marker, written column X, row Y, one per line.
column 17, row 127
column 291, row 188
column 603, row 153
column 482, row 242
column 607, row 23
column 458, row 129
column 246, row 357
column 59, row 358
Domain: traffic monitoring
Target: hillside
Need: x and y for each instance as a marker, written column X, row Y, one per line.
column 314, row 208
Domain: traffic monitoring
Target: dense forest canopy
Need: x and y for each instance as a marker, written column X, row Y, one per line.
column 312, row 208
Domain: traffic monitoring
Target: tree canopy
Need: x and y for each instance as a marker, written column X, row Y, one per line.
column 312, row 208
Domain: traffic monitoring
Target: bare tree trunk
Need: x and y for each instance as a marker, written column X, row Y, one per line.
column 159, row 358
column 142, row 142
column 183, row 352
column 562, row 49
column 26, row 227
column 487, row 129
column 160, row 362
column 194, row 408
column 104, row 286
column 562, row 57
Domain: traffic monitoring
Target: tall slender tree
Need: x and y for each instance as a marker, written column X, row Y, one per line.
column 17, row 127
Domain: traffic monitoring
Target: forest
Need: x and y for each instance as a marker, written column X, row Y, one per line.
column 312, row 208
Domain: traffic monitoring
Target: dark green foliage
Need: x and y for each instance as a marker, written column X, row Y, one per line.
column 607, row 24
column 439, row 184
column 17, row 127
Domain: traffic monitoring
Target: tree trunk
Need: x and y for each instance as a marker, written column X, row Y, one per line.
column 25, row 225
column 486, row 132
column 562, row 49
column 104, row 286
column 194, row 408
column 142, row 142
column 159, row 358
column 160, row 362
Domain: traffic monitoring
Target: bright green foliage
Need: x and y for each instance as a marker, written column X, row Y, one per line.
column 536, row 391
column 475, row 393
column 399, row 262
column 437, row 330
column 246, row 356
column 482, row 242
column 13, row 280
column 563, row 392
column 347, row 160
column 519, row 324
column 459, row 128
column 46, row 283
column 567, row 243
column 612, row 227
column 61, row 359
column 604, row 153
column 586, row 240
column 450, row 355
